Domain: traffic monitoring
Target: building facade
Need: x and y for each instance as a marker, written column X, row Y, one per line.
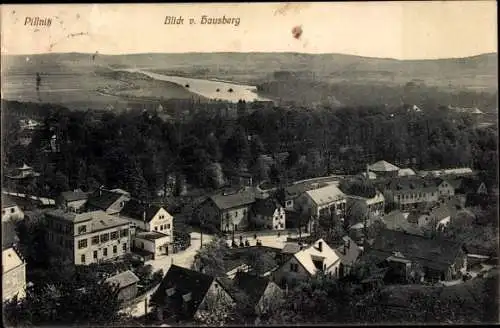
column 13, row 274
column 322, row 201
column 89, row 237
column 227, row 211
column 375, row 205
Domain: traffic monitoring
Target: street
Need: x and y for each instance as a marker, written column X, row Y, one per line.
column 183, row 258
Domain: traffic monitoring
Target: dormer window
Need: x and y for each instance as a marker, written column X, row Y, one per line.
column 170, row 291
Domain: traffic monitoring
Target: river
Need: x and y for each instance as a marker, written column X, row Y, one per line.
column 222, row 90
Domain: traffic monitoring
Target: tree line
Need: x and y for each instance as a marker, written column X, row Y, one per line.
column 138, row 151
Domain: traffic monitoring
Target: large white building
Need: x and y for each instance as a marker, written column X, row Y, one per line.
column 322, row 201
column 89, row 237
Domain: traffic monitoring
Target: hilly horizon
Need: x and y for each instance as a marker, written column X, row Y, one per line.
column 307, row 78
column 487, row 54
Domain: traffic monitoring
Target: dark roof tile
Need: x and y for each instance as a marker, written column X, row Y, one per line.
column 182, row 281
column 137, row 210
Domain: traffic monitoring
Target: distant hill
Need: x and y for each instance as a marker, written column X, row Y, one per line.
column 262, row 65
column 311, row 78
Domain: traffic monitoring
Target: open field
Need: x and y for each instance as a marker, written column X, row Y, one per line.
column 81, row 81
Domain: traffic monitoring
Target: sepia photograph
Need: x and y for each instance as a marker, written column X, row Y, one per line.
column 249, row 164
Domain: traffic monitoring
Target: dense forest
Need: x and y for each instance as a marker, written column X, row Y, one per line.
column 139, row 152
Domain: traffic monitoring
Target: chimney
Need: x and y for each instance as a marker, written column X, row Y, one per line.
column 320, row 246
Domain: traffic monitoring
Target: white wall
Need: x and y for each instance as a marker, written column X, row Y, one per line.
column 162, row 222
column 152, row 246
column 13, row 212
column 14, row 282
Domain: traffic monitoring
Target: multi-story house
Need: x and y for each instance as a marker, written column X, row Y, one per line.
column 409, row 192
column 153, row 226
column 89, row 237
column 110, row 201
column 269, row 213
column 13, row 274
column 187, row 294
column 375, row 204
column 323, row 201
column 307, row 262
column 434, row 259
column 228, row 211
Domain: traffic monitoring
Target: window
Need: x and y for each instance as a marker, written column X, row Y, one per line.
column 115, row 249
column 162, row 217
column 13, row 210
column 114, row 235
column 156, row 228
column 168, row 226
column 82, row 229
column 3, row 212
column 51, row 236
column 104, row 237
column 124, row 247
column 294, row 267
column 82, row 258
column 124, row 233
column 95, row 240
column 82, row 243
column 95, row 255
column 105, row 251
column 216, row 286
column 61, row 241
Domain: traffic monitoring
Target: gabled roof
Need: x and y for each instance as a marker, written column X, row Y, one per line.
column 10, row 259
column 440, row 212
column 325, row 195
column 123, row 279
column 7, row 201
column 396, row 220
column 383, row 166
column 180, row 281
column 137, row 210
column 236, row 199
column 306, row 256
column 290, row 248
column 349, row 252
column 406, row 172
column 103, row 198
column 435, row 253
column 72, row 196
column 266, row 207
column 252, row 285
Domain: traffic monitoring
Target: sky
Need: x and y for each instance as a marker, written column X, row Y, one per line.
column 402, row 30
